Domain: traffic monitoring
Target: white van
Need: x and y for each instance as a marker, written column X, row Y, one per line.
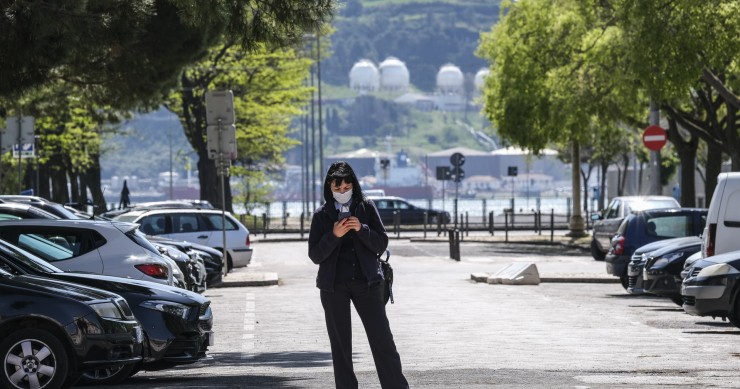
column 723, row 220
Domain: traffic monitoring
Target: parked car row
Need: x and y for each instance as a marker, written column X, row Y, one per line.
column 96, row 301
column 691, row 256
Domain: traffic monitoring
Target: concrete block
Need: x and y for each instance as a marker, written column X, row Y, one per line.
column 479, row 277
column 516, row 274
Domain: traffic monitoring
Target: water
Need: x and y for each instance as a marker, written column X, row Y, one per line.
column 474, row 207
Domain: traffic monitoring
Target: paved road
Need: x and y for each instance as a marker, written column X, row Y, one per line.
column 454, row 333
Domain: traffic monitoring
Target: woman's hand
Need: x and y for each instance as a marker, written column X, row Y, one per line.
column 345, row 225
column 354, row 223
column 341, row 227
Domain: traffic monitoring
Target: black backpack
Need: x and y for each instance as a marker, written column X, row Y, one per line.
column 387, row 276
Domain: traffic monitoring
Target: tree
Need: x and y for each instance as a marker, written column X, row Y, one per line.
column 268, row 92
column 68, row 124
column 552, row 64
column 692, row 55
column 135, row 49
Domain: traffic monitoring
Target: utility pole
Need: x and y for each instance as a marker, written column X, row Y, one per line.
column 655, row 187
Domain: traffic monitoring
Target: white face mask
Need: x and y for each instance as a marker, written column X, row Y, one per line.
column 342, row 198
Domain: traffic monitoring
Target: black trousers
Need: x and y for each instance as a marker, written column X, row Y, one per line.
column 368, row 301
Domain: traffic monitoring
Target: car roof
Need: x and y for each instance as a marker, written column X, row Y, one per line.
column 70, row 223
column 385, row 198
column 140, row 212
column 666, row 211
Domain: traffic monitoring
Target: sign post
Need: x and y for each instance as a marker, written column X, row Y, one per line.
column 221, row 143
column 457, row 160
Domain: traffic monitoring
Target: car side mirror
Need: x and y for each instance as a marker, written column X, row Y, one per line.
column 595, row 216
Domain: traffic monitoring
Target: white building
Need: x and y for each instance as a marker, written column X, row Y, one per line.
column 364, row 76
column 450, row 80
column 394, row 75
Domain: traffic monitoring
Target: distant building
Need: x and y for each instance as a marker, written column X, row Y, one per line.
column 480, row 79
column 364, row 76
column 394, row 75
column 450, row 80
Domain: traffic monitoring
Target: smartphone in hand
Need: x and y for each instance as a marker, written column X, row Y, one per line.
column 344, row 215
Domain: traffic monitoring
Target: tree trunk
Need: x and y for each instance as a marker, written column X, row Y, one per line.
column 686, row 150
column 58, row 173
column 577, row 228
column 713, row 168
column 92, row 181
column 44, row 190
column 602, row 185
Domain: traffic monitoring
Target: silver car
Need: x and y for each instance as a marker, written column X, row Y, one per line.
column 102, row 247
column 202, row 226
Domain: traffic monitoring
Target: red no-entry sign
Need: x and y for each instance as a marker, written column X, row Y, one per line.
column 654, row 138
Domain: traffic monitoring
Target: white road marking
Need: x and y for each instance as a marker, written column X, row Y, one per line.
column 250, row 318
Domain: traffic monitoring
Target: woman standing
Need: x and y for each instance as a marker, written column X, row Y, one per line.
column 345, row 240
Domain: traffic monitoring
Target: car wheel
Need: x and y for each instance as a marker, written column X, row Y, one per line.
column 108, row 376
column 33, row 358
column 678, row 300
column 596, row 251
column 734, row 315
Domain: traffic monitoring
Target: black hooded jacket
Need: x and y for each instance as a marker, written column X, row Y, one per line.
column 369, row 242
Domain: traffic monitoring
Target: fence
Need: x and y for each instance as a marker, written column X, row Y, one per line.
column 506, row 219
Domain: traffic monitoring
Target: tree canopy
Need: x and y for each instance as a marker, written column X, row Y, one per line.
column 135, row 49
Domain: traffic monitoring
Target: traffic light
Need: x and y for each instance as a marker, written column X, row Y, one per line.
column 457, row 174
column 385, row 163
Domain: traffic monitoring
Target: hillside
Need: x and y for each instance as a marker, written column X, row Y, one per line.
column 423, row 34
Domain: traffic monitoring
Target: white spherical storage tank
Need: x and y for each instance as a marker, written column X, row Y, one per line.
column 480, row 78
column 450, row 79
column 394, row 75
column 364, row 76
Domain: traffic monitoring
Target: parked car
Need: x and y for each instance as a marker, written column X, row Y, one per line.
column 607, row 221
column 54, row 330
column 18, row 211
column 643, row 227
column 662, row 270
column 91, row 246
column 212, row 258
column 39, row 202
column 177, row 324
column 190, row 265
column 165, row 204
column 408, row 213
column 711, row 287
column 635, row 284
column 202, row 226
column 723, row 221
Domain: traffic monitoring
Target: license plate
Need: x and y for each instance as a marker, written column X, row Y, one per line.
column 211, row 339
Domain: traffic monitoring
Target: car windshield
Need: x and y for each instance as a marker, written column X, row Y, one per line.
column 27, row 260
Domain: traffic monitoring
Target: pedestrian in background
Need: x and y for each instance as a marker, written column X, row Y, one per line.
column 125, row 199
column 345, row 240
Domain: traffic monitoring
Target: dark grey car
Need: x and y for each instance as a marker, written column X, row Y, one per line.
column 607, row 222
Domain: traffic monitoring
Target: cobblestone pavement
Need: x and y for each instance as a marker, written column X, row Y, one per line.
column 454, row 333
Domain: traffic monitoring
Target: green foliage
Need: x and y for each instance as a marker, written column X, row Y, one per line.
column 268, row 93
column 135, row 49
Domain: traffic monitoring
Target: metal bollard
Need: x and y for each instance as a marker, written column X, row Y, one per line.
column 264, row 225
column 552, row 224
column 506, row 226
column 302, row 216
column 397, row 223
column 426, row 220
column 490, row 223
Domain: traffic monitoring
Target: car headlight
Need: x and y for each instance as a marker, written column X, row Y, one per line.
column 107, row 309
column 660, row 263
column 720, row 269
column 170, row 307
